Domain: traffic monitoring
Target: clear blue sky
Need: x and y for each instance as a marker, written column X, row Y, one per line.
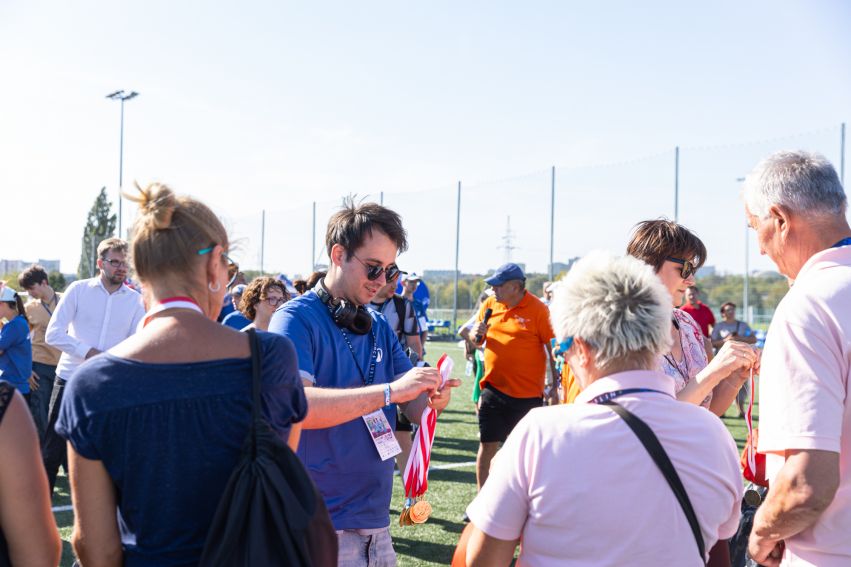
column 276, row 104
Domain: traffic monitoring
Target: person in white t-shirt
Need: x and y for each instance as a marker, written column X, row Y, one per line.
column 612, row 320
column 796, row 204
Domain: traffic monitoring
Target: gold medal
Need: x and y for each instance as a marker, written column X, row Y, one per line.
column 420, row 512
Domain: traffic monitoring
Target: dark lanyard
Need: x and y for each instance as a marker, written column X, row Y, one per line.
column 609, row 396
column 843, row 242
column 46, row 308
column 373, row 357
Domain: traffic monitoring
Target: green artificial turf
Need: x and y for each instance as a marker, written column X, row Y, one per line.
column 452, row 480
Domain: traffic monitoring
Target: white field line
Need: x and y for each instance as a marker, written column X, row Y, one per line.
column 68, row 507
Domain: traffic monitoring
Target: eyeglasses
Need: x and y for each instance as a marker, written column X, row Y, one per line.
column 275, row 301
column 374, row 272
column 233, row 267
column 687, row 267
column 117, row 263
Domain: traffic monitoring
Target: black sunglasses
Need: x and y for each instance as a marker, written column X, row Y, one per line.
column 374, row 272
column 687, row 267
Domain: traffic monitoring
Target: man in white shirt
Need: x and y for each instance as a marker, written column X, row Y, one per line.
column 93, row 316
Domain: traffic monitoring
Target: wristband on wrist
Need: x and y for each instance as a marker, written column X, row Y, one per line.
column 386, row 395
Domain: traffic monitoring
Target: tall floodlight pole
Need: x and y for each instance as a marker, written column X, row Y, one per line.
column 457, row 248
column 262, row 240
column 121, row 96
column 381, row 198
column 552, row 217
column 677, row 184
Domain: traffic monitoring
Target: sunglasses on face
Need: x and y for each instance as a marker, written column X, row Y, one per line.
column 116, row 263
column 687, row 267
column 233, row 267
column 391, row 272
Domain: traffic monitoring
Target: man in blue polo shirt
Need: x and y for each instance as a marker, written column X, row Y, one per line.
column 354, row 371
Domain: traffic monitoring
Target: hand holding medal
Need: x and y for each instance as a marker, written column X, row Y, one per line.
column 417, row 510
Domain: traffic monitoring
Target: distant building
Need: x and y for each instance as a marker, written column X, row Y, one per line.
column 17, row 266
column 559, row 267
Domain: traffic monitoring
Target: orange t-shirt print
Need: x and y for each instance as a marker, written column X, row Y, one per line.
column 515, row 353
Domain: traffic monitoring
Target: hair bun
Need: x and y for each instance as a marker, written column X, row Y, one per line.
column 158, row 203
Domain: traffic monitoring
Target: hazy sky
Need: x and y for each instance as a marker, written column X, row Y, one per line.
column 273, row 105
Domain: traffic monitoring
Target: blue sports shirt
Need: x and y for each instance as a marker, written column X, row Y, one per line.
column 342, row 460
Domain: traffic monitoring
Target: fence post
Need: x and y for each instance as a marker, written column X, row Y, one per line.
column 552, row 218
column 262, row 240
column 842, row 155
column 677, row 184
column 457, row 248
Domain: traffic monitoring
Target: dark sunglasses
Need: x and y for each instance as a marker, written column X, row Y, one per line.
column 687, row 267
column 391, row 272
column 233, row 267
column 117, row 263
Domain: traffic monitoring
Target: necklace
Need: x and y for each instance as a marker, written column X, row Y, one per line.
column 172, row 303
column 673, row 362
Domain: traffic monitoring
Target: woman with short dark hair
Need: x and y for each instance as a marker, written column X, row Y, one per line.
column 675, row 254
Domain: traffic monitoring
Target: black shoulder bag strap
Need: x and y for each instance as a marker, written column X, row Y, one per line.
column 256, row 414
column 660, row 457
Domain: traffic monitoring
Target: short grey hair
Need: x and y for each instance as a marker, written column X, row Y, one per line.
column 804, row 183
column 618, row 306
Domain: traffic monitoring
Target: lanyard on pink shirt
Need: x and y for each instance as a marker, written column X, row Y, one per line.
column 609, row 396
column 172, row 303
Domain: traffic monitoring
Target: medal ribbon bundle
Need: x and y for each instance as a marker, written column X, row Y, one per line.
column 417, row 510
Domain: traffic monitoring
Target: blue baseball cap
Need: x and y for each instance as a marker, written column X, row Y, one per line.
column 506, row 273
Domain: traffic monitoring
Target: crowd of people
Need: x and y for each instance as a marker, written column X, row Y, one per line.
column 598, row 404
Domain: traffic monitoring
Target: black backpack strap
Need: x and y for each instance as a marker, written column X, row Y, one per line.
column 660, row 457
column 256, row 414
column 401, row 313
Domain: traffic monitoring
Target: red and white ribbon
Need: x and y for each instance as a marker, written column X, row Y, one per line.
column 416, row 470
column 751, row 450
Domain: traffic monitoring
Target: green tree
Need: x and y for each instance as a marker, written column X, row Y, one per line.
column 56, row 280
column 100, row 225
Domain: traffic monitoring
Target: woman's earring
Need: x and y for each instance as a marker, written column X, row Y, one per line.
column 214, row 290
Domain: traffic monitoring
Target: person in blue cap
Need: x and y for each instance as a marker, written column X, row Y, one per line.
column 516, row 340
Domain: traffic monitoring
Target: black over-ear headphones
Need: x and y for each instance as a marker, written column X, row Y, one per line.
column 347, row 315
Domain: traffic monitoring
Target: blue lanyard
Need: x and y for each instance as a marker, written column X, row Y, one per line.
column 373, row 357
column 608, row 396
column 843, row 242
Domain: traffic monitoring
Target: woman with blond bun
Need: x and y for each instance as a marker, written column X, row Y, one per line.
column 260, row 300
column 155, row 425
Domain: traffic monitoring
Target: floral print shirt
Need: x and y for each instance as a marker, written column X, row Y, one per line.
column 694, row 354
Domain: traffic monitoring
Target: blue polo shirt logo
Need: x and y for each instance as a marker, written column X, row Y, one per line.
column 379, row 354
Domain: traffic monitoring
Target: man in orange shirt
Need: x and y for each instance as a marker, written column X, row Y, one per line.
column 517, row 351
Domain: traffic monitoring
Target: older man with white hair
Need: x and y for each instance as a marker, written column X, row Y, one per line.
column 796, row 204
column 612, row 318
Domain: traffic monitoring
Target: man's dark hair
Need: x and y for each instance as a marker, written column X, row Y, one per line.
column 33, row 275
column 350, row 226
column 695, row 288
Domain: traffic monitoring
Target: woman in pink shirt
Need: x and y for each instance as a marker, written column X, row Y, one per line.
column 611, row 318
column 675, row 254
